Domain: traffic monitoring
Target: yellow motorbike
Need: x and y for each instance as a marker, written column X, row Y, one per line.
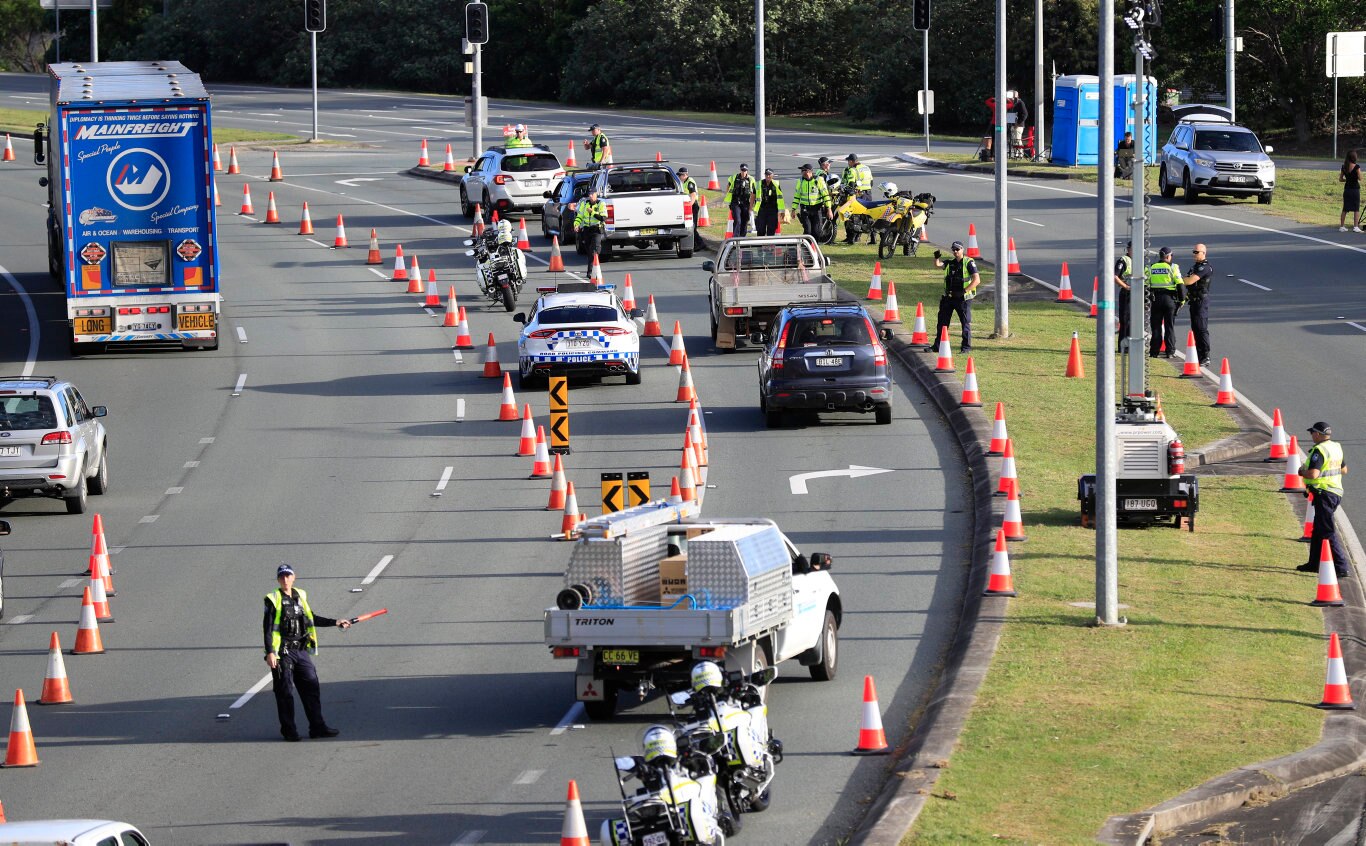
column 859, row 218
column 904, row 224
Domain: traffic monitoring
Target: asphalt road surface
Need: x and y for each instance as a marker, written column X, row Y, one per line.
column 319, row 433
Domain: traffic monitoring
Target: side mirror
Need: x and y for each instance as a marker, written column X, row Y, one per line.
column 1268, row 150
column 469, row 242
column 709, row 266
column 519, row 317
column 546, row 194
column 679, row 697
column 468, row 168
column 821, row 561
column 625, row 764
column 637, row 312
column 801, row 565
column 39, row 152
column 711, row 744
column 99, row 411
column 4, row 527
column 764, row 676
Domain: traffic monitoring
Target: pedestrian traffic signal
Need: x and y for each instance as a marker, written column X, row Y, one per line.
column 477, row 23
column 315, row 15
column 921, row 15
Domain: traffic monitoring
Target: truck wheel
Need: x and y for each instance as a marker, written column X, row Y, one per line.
column 830, row 651
column 1190, row 523
column 685, row 247
column 603, row 710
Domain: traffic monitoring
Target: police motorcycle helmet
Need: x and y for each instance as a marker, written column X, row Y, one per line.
column 889, row 189
column 505, row 232
column 661, row 747
column 707, row 676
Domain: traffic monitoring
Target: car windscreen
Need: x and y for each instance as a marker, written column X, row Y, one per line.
column 529, row 163
column 562, row 315
column 1226, row 141
column 641, row 180
column 27, row 413
column 848, row 330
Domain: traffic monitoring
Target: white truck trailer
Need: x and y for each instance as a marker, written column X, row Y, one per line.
column 753, row 278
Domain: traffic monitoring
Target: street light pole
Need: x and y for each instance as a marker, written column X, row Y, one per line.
column 1038, row 80
column 1107, row 539
column 1230, row 52
column 1000, row 146
column 759, row 88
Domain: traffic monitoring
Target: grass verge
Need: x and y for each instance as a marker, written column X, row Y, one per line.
column 832, row 123
column 1221, row 658
column 21, row 122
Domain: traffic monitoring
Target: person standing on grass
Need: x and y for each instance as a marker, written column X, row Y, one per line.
column 1323, row 471
column 1350, row 177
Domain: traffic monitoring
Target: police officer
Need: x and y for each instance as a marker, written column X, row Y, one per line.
column 588, row 223
column 291, row 636
column 597, row 145
column 960, row 286
column 858, row 180
column 519, row 138
column 1124, row 268
column 832, row 182
column 740, row 194
column 811, row 198
column 770, row 206
column 689, row 186
column 1323, row 471
column 1168, row 292
column 1197, row 290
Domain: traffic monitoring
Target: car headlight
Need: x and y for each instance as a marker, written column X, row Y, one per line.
column 1266, row 166
column 1205, row 162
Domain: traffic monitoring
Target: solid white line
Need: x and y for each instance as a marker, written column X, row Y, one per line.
column 1254, row 284
column 381, row 274
column 430, row 313
column 459, row 405
column 667, row 346
column 34, row 332
column 469, row 838
column 241, row 335
column 528, row 777
column 378, row 568
column 241, row 383
column 1030, row 222
column 445, row 479
column 319, row 243
column 575, row 714
column 1357, row 325
column 255, row 689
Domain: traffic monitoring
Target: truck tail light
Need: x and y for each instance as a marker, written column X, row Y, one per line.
column 711, row 652
column 502, row 179
column 565, row 651
column 1178, row 503
column 56, row 438
column 735, row 311
column 611, row 214
column 128, row 310
column 687, row 210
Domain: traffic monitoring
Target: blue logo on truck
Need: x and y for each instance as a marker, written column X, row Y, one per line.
column 138, row 179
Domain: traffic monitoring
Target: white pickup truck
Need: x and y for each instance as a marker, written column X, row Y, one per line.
column 753, row 278
column 645, row 206
column 651, row 590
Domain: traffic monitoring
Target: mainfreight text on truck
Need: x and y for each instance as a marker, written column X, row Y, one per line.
column 131, row 224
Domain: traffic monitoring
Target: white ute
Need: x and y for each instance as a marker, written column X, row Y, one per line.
column 645, row 205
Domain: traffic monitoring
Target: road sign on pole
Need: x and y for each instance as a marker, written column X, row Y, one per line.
column 921, row 101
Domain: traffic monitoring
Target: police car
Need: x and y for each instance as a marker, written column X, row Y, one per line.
column 577, row 329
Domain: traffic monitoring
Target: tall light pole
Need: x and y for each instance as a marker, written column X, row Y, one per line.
column 1230, row 51
column 1107, row 538
column 1000, row 146
column 1038, row 80
column 759, row 88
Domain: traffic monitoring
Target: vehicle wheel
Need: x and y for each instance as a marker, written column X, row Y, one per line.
column 763, row 403
column 886, row 247
column 759, row 804
column 729, row 821
column 1189, row 191
column 773, row 418
column 509, row 298
column 545, row 230
column 883, row 414
column 1168, row 190
column 465, row 208
column 1190, row 523
column 1264, row 199
column 77, row 502
column 528, row 381
column 830, row 650
column 487, row 207
column 606, row 708
column 713, row 327
column 633, row 378
column 99, row 483
column 685, row 246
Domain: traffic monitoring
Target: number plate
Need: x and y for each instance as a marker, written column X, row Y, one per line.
column 829, row 362
column 9, row 450
column 657, row 838
column 1240, row 179
column 580, row 344
column 142, row 327
column 649, row 231
column 621, row 656
column 203, row 320
column 1140, row 505
column 534, row 183
column 94, row 325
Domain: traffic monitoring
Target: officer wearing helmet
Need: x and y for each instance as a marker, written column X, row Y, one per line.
column 504, row 232
column 519, row 138
column 857, row 179
column 1167, row 293
column 707, row 678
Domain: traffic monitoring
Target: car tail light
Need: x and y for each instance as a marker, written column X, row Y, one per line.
column 879, row 351
column 57, row 438
column 1178, row 503
column 565, row 651
column 542, row 334
column 611, row 214
column 711, row 652
column 613, row 330
column 687, row 210
column 782, row 348
column 127, row 310
column 502, row 179
column 559, row 174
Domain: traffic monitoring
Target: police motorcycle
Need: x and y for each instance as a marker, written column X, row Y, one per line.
column 676, row 803
column 500, row 268
column 732, row 707
column 904, row 223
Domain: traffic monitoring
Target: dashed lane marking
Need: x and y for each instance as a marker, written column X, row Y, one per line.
column 459, row 407
column 150, row 518
column 469, row 838
column 528, row 777
column 255, row 689
column 376, row 570
column 1254, row 284
column 19, row 619
column 445, row 480
column 174, row 491
column 241, row 383
column 1030, row 222
column 241, row 335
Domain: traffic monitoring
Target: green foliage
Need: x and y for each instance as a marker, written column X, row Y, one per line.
column 21, row 35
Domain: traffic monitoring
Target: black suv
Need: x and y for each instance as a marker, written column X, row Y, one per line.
column 823, row 357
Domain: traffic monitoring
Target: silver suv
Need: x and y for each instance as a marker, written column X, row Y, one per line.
column 1208, row 154
column 51, row 442
column 506, row 180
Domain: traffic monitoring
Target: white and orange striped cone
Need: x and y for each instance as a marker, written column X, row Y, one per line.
column 99, row 553
column 971, row 398
column 1075, row 368
column 306, row 222
column 1337, row 692
column 691, row 447
column 433, row 299
column 675, row 492
column 698, row 439
column 422, row 159
column 1292, row 481
column 233, row 167
column 570, row 161
column 276, row 174
column 414, row 276
column 492, row 369
column 1012, row 522
column 20, row 752
column 871, row 739
column 677, row 352
column 1328, row 592
column 217, row 198
column 477, row 228
column 944, row 360
column 1190, row 369
column 1225, row 398
column 595, row 272
column 703, row 216
column 541, row 467
column 572, row 517
column 272, row 213
column 1010, row 479
column 687, row 482
column 974, row 251
column 246, row 209
column 449, row 165
column 56, row 686
column 1012, row 260
column 652, row 327
column 713, row 181
column 1279, row 442
column 100, row 599
column 452, row 315
column 372, row 255
column 574, row 832
column 628, row 295
column 1000, row 582
column 1064, row 286
column 1095, row 297
column 730, row 225
column 339, row 242
column 522, row 242
column 556, row 259
column 998, row 432
column 919, row 337
column 695, row 408
column 526, row 444
column 507, row 411
column 1307, row 534
column 217, row 162
column 686, row 391
column 891, row 314
column 88, row 640
column 463, row 341
column 558, row 486
column 875, row 286
column 8, row 155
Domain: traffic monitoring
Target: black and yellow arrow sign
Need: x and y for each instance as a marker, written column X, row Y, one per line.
column 559, row 414
column 638, row 487
column 611, row 493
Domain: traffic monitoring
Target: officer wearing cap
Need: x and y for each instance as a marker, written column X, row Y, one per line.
column 1198, row 283
column 1124, row 269
column 832, row 181
column 960, row 286
column 740, row 194
column 1323, row 471
column 598, row 145
column 689, row 186
column 811, row 198
column 291, row 637
column 1167, row 292
column 770, row 206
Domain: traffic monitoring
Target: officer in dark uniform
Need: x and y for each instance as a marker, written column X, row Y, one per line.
column 1124, row 269
column 1197, row 290
column 291, row 635
column 1167, row 292
column 1322, row 472
column 960, row 286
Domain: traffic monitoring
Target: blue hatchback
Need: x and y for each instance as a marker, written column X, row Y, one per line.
column 824, row 357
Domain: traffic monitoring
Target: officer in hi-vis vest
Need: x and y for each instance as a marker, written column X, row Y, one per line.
column 1322, row 472
column 1167, row 292
column 291, row 636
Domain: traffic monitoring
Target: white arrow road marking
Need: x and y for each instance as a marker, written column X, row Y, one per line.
column 352, row 182
column 798, row 482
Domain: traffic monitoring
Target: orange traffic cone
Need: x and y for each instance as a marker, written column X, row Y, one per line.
column 574, row 832
column 272, row 213
column 675, row 492
column 1307, row 535
column 1064, row 286
column 449, row 166
column 246, row 201
column 21, row 752
column 595, row 272
column 100, row 599
column 1012, row 260
column 508, row 409
column 628, row 295
column 2, row 813
column 522, row 242
column 56, row 686
column 1191, row 368
column 217, row 162
column 558, row 486
column 713, row 181
column 451, row 316
column 1010, row 479
column 306, row 224
column 571, row 518
column 414, row 276
column 919, row 337
column 944, row 363
column 730, row 225
column 698, row 438
column 998, row 432
column 693, row 448
column 891, row 314
column 1012, row 523
column 1279, row 443
column 1337, row 693
column 492, row 369
column 1328, row 592
column 276, row 175
column 871, row 739
column 477, row 228
column 217, row 198
column 1095, row 297
column 659, row 157
column 974, row 251
column 463, row 341
column 652, row 327
column 971, row 398
column 400, row 266
column 676, row 349
column 875, row 286
column 570, row 161
column 422, row 160
column 696, row 410
column 1292, row 480
column 541, row 467
column 703, row 217
column 99, row 553
column 1225, row 398
column 556, row 259
column 339, row 242
column 88, row 640
column 372, row 256
column 232, row 161
column 526, row 444
column 433, row 299
column 687, row 481
column 1075, row 369
column 686, row 392
column 1000, row 582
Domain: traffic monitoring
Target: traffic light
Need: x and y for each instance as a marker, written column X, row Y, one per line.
column 921, row 15
column 477, row 23
column 315, row 15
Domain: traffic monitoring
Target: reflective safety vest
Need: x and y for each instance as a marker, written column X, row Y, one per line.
column 770, row 192
column 811, row 192
column 860, row 176
column 597, row 147
column 753, row 189
column 690, row 186
column 591, row 214
column 957, row 278
column 1330, row 475
column 1162, row 276
column 514, row 142
column 276, row 598
column 1126, row 266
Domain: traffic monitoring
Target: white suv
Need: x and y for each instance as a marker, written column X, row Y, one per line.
column 51, row 443
column 1208, row 154
column 506, row 180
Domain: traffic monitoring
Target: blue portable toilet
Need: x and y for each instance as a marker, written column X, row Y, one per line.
column 1125, row 95
column 1076, row 119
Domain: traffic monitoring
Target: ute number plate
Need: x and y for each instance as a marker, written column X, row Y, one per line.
column 620, row 656
column 1140, row 505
